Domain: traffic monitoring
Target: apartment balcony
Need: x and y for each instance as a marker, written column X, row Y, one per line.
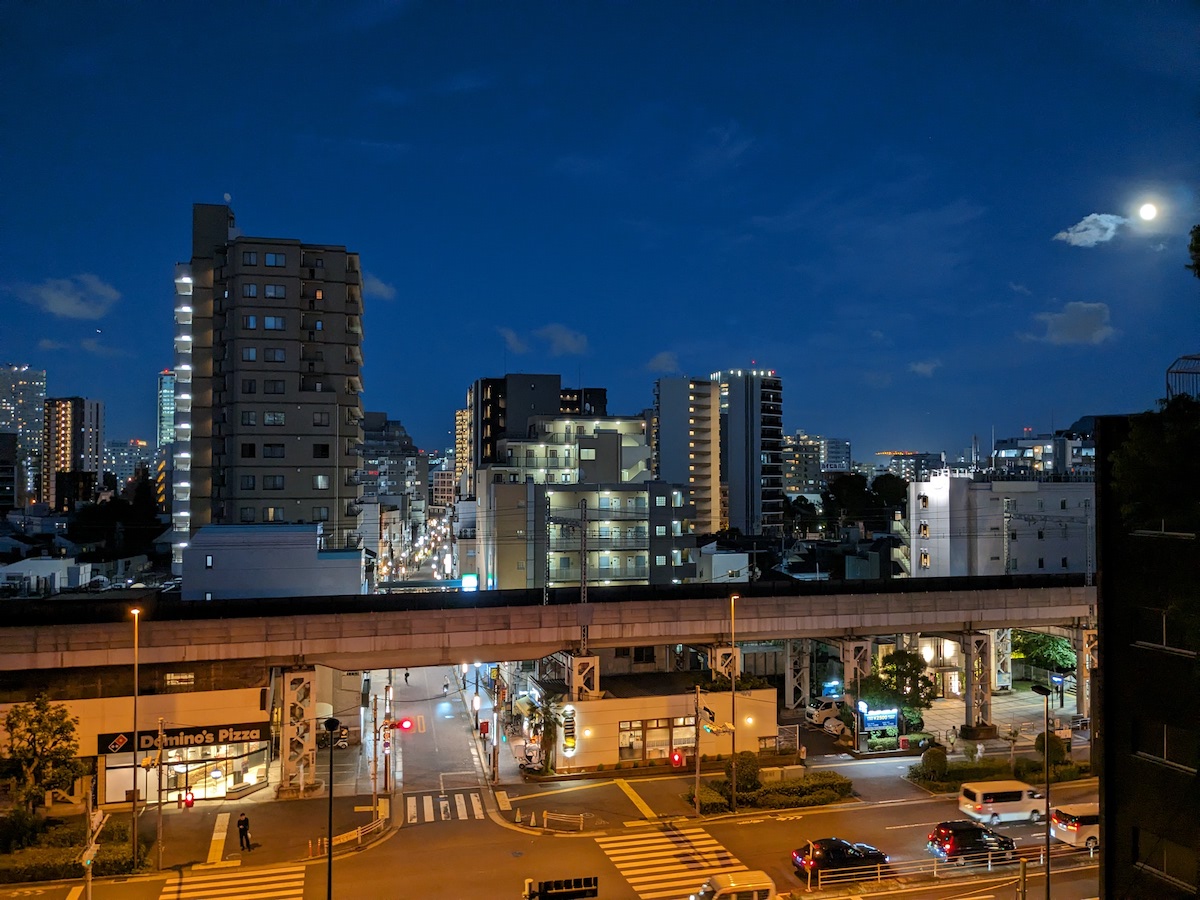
column 618, row 573
column 315, row 383
column 595, row 542
column 353, row 509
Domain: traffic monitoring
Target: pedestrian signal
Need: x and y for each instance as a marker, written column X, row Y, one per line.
column 677, row 758
column 189, row 800
column 405, row 724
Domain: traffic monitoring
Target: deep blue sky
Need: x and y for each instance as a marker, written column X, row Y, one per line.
column 862, row 196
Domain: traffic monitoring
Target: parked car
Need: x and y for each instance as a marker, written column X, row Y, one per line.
column 820, row 709
column 835, row 726
column 963, row 842
column 1077, row 825
column 827, row 854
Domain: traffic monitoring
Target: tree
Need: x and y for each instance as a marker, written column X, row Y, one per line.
column 904, row 670
column 891, row 490
column 42, row 750
column 1043, row 650
column 1194, row 251
column 1154, row 490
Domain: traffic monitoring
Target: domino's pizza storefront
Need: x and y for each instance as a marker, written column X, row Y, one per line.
column 211, row 762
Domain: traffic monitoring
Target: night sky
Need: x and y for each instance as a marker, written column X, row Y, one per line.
column 922, row 215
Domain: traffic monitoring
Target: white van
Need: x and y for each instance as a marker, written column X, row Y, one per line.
column 1001, row 801
column 1077, row 825
column 822, row 708
column 737, row 886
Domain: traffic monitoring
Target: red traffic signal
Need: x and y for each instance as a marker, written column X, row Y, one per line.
column 189, row 799
column 677, row 758
column 404, row 723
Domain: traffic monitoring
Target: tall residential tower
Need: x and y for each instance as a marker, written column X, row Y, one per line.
column 752, row 448
column 268, row 344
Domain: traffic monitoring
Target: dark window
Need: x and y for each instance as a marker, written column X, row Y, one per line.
column 273, row 323
column 272, row 482
column 246, row 514
column 320, row 418
column 273, row 418
column 249, row 354
column 273, row 386
column 249, row 417
column 272, row 451
column 247, row 484
column 320, row 451
column 250, row 322
column 320, row 513
column 248, row 451
column 276, row 259
column 249, row 258
column 249, row 386
column 249, row 290
column 273, row 354
column 274, row 291
column 619, row 652
column 643, row 654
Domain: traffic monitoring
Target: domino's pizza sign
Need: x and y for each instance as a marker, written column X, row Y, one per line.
column 117, row 743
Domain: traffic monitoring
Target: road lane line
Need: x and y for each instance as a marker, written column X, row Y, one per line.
column 411, row 804
column 460, row 805
column 477, row 806
column 216, row 847
column 428, row 804
column 565, row 790
column 642, row 806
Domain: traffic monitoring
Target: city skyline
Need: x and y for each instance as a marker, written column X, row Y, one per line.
column 925, row 221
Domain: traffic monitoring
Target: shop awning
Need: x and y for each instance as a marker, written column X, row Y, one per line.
column 525, row 706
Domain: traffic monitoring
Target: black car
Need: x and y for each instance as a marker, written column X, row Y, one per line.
column 965, row 842
column 834, row 853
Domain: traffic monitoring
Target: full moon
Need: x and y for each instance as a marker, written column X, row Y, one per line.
column 1148, row 211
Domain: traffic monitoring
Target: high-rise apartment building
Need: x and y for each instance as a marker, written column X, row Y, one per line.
column 9, row 469
column 835, row 455
column 72, row 450
column 686, row 440
column 268, row 345
column 22, row 406
column 502, row 407
column 802, row 465
column 165, row 409
column 752, row 448
column 124, row 458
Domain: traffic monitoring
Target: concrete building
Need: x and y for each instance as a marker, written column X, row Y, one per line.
column 911, row 465
column 165, row 409
column 268, row 343
column 1068, row 452
column 72, row 450
column 22, row 408
column 752, row 448
column 123, row 458
column 975, row 523
column 10, row 468
column 836, row 455
column 502, row 407
column 234, row 562
column 802, row 475
column 686, row 439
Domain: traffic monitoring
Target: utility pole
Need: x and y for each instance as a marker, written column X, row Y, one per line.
column 375, row 757
column 696, row 790
column 160, row 761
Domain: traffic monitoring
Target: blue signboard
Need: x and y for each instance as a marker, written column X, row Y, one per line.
column 876, row 719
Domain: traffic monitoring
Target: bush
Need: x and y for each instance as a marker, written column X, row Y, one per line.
column 747, row 771
column 1058, row 748
column 711, row 801
column 20, row 829
column 933, row 764
column 882, row 743
column 812, row 790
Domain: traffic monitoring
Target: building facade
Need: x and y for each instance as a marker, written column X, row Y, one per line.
column 802, row 465
column 268, row 378
column 165, row 410
column 72, row 450
column 751, row 444
column 687, row 444
column 22, row 409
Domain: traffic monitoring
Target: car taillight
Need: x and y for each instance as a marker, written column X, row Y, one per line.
column 978, row 807
column 946, row 846
column 1073, row 826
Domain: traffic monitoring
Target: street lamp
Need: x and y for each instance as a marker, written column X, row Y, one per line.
column 733, row 667
column 133, row 829
column 1045, row 693
column 331, row 727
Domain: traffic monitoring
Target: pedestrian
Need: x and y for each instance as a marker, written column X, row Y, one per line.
column 406, row 676
column 446, row 685
column 804, row 756
column 243, row 824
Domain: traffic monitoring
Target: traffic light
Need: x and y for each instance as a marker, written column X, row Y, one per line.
column 712, row 720
column 677, row 758
column 189, row 800
column 568, row 732
column 404, row 723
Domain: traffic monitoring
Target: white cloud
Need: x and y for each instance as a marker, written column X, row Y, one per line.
column 79, row 297
column 1019, row 288
column 563, row 341
column 665, row 362
column 48, row 344
column 1078, row 323
column 1093, row 229
column 377, row 288
column 93, row 346
column 513, row 341
column 925, row 368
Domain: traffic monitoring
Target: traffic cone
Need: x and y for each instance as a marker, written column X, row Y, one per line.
column 518, row 819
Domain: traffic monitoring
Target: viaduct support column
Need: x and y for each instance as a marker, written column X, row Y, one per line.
column 978, row 695
column 298, row 733
column 797, row 672
column 1002, row 662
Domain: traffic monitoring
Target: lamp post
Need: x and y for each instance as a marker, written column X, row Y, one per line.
column 133, row 829
column 1045, row 692
column 331, row 727
column 733, row 667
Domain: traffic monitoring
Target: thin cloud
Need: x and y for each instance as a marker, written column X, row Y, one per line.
column 93, row 346
column 925, row 368
column 1019, row 288
column 721, row 149
column 562, row 340
column 80, row 297
column 48, row 344
column 513, row 341
column 377, row 288
column 665, row 362
column 1093, row 229
column 1078, row 323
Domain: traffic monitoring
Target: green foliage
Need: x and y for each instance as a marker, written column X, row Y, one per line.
column 934, row 763
column 1043, row 650
column 904, row 672
column 747, row 771
column 1152, row 480
column 1058, row 747
column 891, row 490
column 815, row 789
column 959, row 772
column 1194, row 252
column 42, row 748
column 20, row 829
column 878, row 744
column 711, row 801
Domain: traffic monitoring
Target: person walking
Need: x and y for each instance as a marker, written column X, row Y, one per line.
column 243, row 825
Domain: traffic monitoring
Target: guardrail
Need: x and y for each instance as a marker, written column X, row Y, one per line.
column 357, row 836
column 940, row 868
column 554, row 820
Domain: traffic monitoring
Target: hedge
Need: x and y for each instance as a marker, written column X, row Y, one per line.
column 711, row 801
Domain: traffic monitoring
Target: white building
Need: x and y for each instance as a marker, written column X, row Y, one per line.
column 973, row 523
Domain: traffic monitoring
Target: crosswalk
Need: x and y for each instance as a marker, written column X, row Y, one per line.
column 668, row 862
column 243, row 884
column 442, row 806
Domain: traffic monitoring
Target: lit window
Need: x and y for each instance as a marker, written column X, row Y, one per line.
column 924, row 559
column 660, row 501
column 273, row 323
column 249, row 322
column 320, row 482
column 660, row 530
column 272, row 513
column 273, row 418
column 587, row 452
column 208, row 561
